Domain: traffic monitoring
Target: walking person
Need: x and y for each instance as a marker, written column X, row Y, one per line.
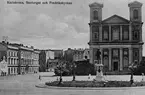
column 39, row 77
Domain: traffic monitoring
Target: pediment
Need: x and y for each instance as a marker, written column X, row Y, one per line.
column 115, row 19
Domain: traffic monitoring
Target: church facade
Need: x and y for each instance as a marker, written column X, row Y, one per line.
column 118, row 39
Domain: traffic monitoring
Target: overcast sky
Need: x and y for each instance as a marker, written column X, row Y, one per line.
column 55, row 26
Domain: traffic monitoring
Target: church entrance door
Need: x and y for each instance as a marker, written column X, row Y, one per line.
column 115, row 66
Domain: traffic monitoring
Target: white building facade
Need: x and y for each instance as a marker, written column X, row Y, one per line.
column 12, row 59
column 118, row 39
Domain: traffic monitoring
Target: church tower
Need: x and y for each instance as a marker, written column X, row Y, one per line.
column 135, row 9
column 95, row 26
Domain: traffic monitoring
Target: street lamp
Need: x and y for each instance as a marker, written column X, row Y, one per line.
column 132, row 67
column 60, row 79
column 74, row 67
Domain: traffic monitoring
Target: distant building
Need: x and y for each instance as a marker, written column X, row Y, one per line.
column 49, row 54
column 11, row 54
column 57, row 54
column 48, row 59
column 68, row 55
column 81, row 54
column 35, row 65
column 86, row 54
column 20, row 58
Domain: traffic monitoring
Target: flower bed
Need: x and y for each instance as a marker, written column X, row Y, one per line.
column 94, row 84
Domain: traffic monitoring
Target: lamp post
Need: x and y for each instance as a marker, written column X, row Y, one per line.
column 132, row 67
column 60, row 68
column 74, row 67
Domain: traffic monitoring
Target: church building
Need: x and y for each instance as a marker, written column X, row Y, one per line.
column 118, row 39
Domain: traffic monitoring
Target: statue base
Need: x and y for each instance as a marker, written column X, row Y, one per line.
column 99, row 78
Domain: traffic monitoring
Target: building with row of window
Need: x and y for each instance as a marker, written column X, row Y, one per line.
column 21, row 59
column 81, row 54
column 118, row 39
column 48, row 59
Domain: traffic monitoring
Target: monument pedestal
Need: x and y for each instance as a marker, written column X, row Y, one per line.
column 99, row 78
column 99, row 73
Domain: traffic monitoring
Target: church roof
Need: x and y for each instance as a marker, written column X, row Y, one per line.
column 115, row 19
column 135, row 4
column 96, row 4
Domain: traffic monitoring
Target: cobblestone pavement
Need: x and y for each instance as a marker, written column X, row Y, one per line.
column 25, row 85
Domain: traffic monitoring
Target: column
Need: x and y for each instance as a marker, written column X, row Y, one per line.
column 130, row 33
column 100, row 33
column 140, row 54
column 91, row 55
column 121, row 51
column 140, row 33
column 110, row 59
column 14, row 61
column 101, row 50
column 120, row 32
column 10, row 60
column 130, row 56
column 110, row 33
column 91, row 33
column 10, row 70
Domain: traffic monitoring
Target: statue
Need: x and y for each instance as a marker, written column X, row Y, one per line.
column 98, row 54
column 99, row 67
column 4, row 58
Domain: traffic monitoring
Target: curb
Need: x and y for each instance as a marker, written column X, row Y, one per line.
column 88, row 88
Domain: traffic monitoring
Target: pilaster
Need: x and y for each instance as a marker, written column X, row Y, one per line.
column 100, row 33
column 140, row 54
column 91, row 55
column 121, row 67
column 110, row 59
column 130, row 56
column 120, row 32
column 110, row 33
column 130, row 33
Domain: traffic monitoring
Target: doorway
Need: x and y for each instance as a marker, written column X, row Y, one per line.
column 115, row 66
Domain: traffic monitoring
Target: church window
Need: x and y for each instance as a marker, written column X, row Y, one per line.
column 135, row 35
column 105, row 33
column 125, row 33
column 125, row 62
column 135, row 14
column 95, row 15
column 115, row 35
column 95, row 31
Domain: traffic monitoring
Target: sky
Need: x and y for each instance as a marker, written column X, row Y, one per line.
column 55, row 26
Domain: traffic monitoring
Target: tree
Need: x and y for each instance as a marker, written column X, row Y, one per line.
column 140, row 68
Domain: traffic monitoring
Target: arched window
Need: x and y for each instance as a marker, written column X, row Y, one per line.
column 125, row 61
column 135, row 14
column 95, row 15
column 135, row 35
column 95, row 31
